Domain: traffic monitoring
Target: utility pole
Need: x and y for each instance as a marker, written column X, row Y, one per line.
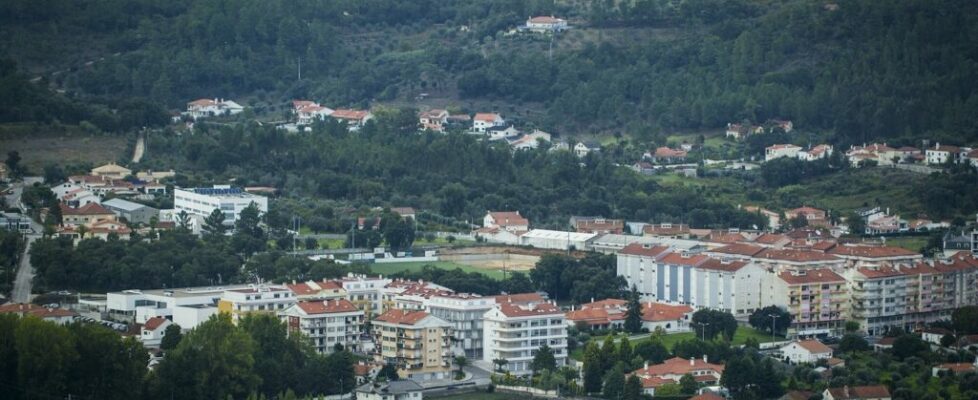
column 774, row 317
column 704, row 330
column 300, row 68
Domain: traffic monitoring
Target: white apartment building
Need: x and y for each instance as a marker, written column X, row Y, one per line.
column 138, row 306
column 515, row 332
column 464, row 312
column 733, row 286
column 817, row 300
column 260, row 299
column 637, row 262
column 365, row 292
column 416, row 342
column 203, row 201
column 326, row 323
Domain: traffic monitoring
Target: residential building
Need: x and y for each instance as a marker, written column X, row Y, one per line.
column 784, row 125
column 231, row 201
column 805, row 351
column 610, row 314
column 643, row 167
column 582, row 149
column 673, row 369
column 484, row 121
column 152, row 332
column 934, row 335
column 393, row 390
column 817, row 300
column 355, row 119
column 887, row 225
column 857, row 256
column 463, row 311
column 365, row 292
column 502, row 133
column 325, row 323
column 942, row 154
column 254, row 299
column 59, row 316
column 18, row 222
column 816, row 153
column 212, row 107
column 510, row 221
column 665, row 155
column 417, row 343
column 778, row 260
column 529, row 141
column 955, row 368
column 814, row 216
column 111, row 171
column 726, row 284
column 139, row 306
column 405, row 212
column 773, row 218
column 497, row 235
column 100, row 229
column 669, row 317
column 637, row 263
column 667, row 230
column 598, row 225
column 134, row 213
column 781, row 150
column 880, row 154
column 877, row 392
column 434, row 120
column 79, row 197
column 86, row 214
column 515, row 332
column 544, row 24
column 312, row 112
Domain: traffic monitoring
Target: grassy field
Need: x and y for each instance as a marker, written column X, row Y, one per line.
column 388, row 269
column 482, row 396
column 912, row 243
column 40, row 145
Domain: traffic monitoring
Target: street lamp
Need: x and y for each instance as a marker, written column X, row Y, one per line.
column 704, row 329
column 774, row 317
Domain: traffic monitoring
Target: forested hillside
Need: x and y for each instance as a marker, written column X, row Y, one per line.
column 858, row 70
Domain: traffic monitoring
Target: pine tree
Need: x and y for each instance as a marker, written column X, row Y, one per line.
column 614, row 383
column 633, row 389
column 593, row 369
column 214, row 224
column 633, row 317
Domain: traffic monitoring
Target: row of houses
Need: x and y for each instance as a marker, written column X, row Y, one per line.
column 884, row 155
column 741, row 131
column 818, row 152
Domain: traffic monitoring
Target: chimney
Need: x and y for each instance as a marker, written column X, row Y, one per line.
column 705, row 358
column 646, row 365
column 845, row 389
column 692, row 361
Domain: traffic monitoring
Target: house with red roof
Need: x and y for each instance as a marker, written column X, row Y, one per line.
column 515, row 331
column 545, row 24
column 201, row 108
column 312, row 112
column 354, row 119
column 876, row 392
column 805, row 351
column 510, row 221
column 152, row 331
column 877, row 153
column 816, row 153
column 57, row 315
column 433, row 120
column 665, row 155
column 817, row 300
column 942, row 154
column 666, row 230
column 325, row 323
column 483, row 121
column 781, row 150
column 814, row 216
column 312, row 290
column 673, row 369
column 86, row 214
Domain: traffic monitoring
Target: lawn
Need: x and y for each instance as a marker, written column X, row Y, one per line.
column 388, row 269
column 482, row 396
column 912, row 243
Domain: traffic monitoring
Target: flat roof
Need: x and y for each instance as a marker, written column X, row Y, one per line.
column 561, row 235
column 124, row 204
column 183, row 292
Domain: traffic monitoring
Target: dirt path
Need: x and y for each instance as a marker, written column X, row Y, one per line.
column 137, row 153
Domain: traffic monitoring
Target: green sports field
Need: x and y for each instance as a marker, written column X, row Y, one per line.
column 387, row 269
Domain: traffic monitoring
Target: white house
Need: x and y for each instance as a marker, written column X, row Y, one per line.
column 497, row 235
column 815, row 153
column 325, row 323
column 152, row 332
column 433, row 120
column 544, row 24
column 355, row 119
column 506, row 220
column 582, row 149
column 529, row 141
column 312, row 112
column 781, row 150
column 394, row 390
column 202, row 108
column 934, row 335
column 484, row 121
column 940, row 154
column 203, row 201
column 806, row 351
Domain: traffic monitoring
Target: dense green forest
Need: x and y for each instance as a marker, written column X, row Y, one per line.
column 858, row 70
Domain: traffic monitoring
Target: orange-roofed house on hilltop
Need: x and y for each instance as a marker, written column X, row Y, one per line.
column 510, row 221
column 515, row 332
column 544, row 24
column 325, row 323
column 416, row 342
column 483, row 121
column 673, row 369
column 433, row 120
column 355, row 119
column 781, row 150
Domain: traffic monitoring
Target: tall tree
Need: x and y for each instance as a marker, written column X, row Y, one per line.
column 614, row 383
column 593, row 369
column 13, row 163
column 770, row 317
column 633, row 388
column 278, row 356
column 171, row 337
column 107, row 366
column 633, row 315
column 45, row 355
column 214, row 224
column 544, row 360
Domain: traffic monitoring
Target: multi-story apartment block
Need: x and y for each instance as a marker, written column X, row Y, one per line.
column 325, row 323
column 365, row 292
column 791, row 259
column 416, row 342
column 311, row 290
column 464, row 312
column 817, row 300
column 874, row 256
column 266, row 299
column 515, row 332
column 885, row 297
column 730, row 285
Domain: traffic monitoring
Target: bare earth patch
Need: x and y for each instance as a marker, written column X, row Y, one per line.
column 39, row 146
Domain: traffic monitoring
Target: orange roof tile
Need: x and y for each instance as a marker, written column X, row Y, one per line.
column 327, row 307
column 153, row 323
column 871, row 251
column 518, row 298
column 655, row 312
column 795, row 255
column 678, row 366
column 859, row 392
column 741, row 249
column 638, row 249
column 814, row 346
column 821, row 275
column 516, row 310
column 722, row 265
column 401, row 317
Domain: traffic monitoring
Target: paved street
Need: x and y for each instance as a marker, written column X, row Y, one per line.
column 25, row 275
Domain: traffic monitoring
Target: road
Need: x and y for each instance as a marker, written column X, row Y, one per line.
column 25, row 275
column 137, row 153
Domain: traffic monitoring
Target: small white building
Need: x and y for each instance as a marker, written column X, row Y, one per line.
column 433, row 120
column 559, row 240
column 582, row 149
column 781, row 150
column 816, row 153
column 152, row 332
column 395, row 390
column 484, row 121
column 806, row 351
column 202, row 108
column 506, row 220
column 313, row 112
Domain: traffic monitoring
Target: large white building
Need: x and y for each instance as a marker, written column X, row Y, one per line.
column 255, row 299
column 558, row 240
column 139, row 306
column 326, row 323
column 202, row 202
column 516, row 331
column 464, row 312
column 781, row 150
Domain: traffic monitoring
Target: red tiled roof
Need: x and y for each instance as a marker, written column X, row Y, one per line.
column 401, row 317
column 859, row 392
column 721, row 265
column 606, row 303
column 871, row 251
column 516, row 310
column 795, row 255
column 678, row 366
column 665, row 152
column 655, row 381
column 824, row 245
column 487, row 117
column 679, row 259
column 725, row 237
column 739, row 249
column 655, row 312
column 519, row 298
column 707, row 396
column 305, row 288
column 153, row 323
column 666, row 229
column 822, row 275
column 957, row 367
column 327, row 307
column 770, row 238
column 202, row 102
column 594, row 316
column 638, row 249
column 361, row 369
column 87, row 209
column 508, row 218
column 944, row 147
column 349, row 114
column 782, row 146
column 545, row 20
column 814, row 346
